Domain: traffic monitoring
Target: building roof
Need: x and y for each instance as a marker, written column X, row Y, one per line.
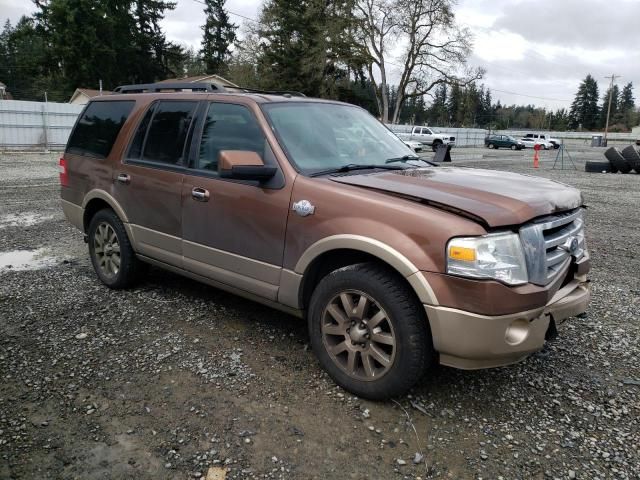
column 201, row 78
column 88, row 92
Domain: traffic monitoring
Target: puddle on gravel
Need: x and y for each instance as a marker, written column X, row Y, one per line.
column 26, row 260
column 23, row 220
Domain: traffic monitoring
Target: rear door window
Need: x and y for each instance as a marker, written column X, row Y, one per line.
column 98, row 127
column 165, row 139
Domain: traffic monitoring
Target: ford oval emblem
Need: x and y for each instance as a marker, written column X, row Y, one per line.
column 303, row 208
column 571, row 245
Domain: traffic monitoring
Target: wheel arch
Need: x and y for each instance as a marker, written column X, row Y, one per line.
column 95, row 201
column 339, row 251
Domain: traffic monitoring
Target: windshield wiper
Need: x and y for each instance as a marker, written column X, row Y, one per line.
column 406, row 158
column 355, row 166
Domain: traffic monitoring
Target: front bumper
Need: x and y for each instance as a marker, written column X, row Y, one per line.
column 470, row 341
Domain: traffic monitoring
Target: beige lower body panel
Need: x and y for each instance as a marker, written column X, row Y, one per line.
column 74, row 214
column 471, row 341
column 150, row 243
column 224, row 286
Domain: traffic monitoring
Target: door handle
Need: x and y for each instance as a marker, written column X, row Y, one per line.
column 200, row 194
column 124, row 178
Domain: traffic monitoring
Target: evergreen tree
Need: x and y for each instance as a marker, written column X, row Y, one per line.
column 584, row 109
column 154, row 53
column 627, row 102
column 627, row 107
column 219, row 35
column 454, row 106
column 437, row 113
column 307, row 45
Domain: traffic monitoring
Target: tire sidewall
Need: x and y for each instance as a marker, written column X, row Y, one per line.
column 350, row 279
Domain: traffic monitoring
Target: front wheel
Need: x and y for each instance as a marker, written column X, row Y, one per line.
column 435, row 145
column 369, row 331
column 514, row 147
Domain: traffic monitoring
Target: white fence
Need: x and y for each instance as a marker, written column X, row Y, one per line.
column 36, row 125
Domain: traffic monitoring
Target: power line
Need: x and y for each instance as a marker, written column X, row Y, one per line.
column 234, row 13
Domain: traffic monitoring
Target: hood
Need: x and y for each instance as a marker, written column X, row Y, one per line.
column 491, row 197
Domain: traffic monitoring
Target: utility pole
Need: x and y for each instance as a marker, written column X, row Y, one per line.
column 606, row 127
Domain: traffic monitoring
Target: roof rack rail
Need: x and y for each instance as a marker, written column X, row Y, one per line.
column 171, row 87
column 207, row 87
column 291, row 93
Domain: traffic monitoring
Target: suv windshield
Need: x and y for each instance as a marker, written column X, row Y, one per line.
column 323, row 136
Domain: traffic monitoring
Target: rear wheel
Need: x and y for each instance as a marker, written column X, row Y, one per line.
column 491, row 145
column 368, row 331
column 111, row 253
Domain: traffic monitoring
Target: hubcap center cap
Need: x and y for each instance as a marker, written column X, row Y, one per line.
column 358, row 333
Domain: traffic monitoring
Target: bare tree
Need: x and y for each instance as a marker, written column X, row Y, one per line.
column 421, row 38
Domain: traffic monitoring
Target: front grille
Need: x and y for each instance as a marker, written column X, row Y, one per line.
column 550, row 243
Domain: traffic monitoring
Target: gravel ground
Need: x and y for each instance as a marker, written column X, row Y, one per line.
column 173, row 378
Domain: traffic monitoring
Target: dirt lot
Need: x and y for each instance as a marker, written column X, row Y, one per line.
column 173, row 377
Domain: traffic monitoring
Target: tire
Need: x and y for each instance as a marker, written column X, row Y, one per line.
column 111, row 253
column 514, row 147
column 632, row 156
column 618, row 162
column 435, row 145
column 597, row 166
column 400, row 319
column 491, row 146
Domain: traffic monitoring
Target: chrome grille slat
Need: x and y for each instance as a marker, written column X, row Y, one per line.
column 558, row 238
column 547, row 244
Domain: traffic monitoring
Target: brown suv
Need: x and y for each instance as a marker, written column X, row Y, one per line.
column 315, row 208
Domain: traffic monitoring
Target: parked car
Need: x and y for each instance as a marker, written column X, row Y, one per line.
column 503, row 141
column 529, row 142
column 427, row 136
column 413, row 145
column 545, row 137
column 395, row 263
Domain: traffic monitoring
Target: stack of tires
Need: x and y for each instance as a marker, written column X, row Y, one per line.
column 616, row 161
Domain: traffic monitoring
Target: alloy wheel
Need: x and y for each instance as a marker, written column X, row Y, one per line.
column 106, row 250
column 358, row 335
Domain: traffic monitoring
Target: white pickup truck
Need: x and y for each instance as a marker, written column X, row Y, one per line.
column 424, row 135
column 544, row 137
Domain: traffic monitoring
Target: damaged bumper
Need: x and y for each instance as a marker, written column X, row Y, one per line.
column 469, row 340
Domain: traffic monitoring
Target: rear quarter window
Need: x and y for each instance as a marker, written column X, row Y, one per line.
column 97, row 128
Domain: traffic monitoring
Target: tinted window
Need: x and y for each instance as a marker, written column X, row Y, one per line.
column 138, row 140
column 416, row 130
column 228, row 127
column 97, row 129
column 166, row 136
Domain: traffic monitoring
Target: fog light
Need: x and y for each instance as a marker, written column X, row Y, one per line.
column 517, row 332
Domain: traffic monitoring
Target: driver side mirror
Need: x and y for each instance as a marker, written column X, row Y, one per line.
column 244, row 165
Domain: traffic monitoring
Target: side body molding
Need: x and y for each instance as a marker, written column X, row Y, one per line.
column 291, row 281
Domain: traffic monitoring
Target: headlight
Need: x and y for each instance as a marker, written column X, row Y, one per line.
column 498, row 256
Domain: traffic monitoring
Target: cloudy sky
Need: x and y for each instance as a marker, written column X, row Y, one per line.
column 534, row 51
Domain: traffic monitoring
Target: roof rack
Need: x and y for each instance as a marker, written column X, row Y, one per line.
column 286, row 93
column 207, row 87
column 171, row 87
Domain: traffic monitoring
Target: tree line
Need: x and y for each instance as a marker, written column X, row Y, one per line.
column 403, row 60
